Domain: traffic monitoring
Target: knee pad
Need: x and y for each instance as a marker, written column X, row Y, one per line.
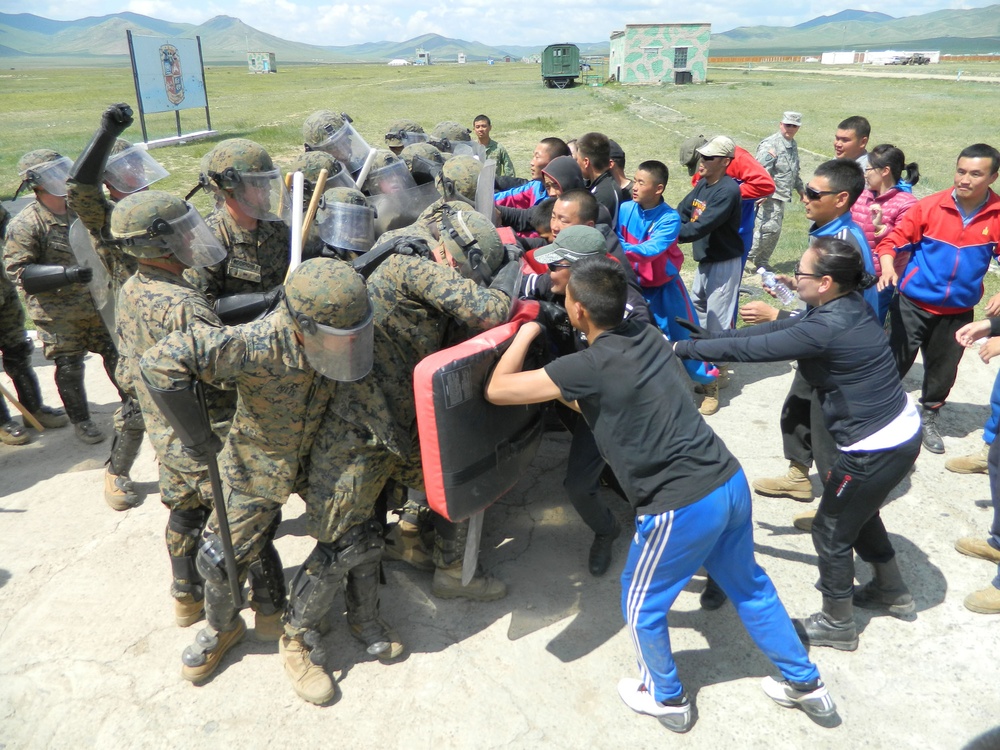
column 189, row 522
column 69, row 366
column 211, row 560
column 17, row 356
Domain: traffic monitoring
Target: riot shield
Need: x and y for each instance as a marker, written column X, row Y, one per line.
column 397, row 210
column 101, row 288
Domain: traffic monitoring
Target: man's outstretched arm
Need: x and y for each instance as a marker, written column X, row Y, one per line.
column 509, row 386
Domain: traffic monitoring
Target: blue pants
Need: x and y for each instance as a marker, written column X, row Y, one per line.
column 992, row 425
column 668, row 549
column 667, row 302
column 993, row 466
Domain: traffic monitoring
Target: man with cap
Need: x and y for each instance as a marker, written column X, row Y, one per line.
column 710, row 216
column 482, row 126
column 779, row 155
column 617, row 156
column 585, row 465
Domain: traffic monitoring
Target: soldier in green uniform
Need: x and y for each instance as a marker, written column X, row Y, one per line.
column 248, row 224
column 283, row 367
column 166, row 235
column 123, row 169
column 38, row 258
column 16, row 348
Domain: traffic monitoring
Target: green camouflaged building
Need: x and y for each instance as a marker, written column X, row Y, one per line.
column 654, row 53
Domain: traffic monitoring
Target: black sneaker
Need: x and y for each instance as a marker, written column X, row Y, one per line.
column 713, row 596
column 600, row 551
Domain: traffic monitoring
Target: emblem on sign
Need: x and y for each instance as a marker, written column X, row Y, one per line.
column 173, row 81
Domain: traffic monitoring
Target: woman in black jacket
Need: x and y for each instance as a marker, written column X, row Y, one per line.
column 844, row 354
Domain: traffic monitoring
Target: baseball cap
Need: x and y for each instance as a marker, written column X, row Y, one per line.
column 617, row 152
column 572, row 244
column 721, row 145
column 791, row 118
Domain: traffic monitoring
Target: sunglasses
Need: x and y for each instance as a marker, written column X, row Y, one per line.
column 814, row 195
column 557, row 266
column 710, row 158
column 800, row 275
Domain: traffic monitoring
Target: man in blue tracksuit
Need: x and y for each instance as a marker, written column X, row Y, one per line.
column 690, row 494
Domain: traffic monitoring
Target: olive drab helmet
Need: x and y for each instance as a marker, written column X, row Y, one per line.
column 423, row 160
column 327, row 131
column 329, row 302
column 446, row 134
column 130, row 168
column 345, row 221
column 472, row 241
column 402, row 133
column 388, row 174
column 243, row 170
column 459, row 178
column 44, row 169
column 155, row 224
column 310, row 163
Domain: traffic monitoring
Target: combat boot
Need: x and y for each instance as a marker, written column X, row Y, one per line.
column 361, row 600
column 188, row 610
column 710, row 404
column 11, row 433
column 69, row 383
column 975, row 546
column 403, row 542
column 268, row 628
column 119, row 492
column 974, row 463
column 722, row 380
column 88, row 432
column 804, row 521
column 932, row 435
column 447, row 584
column 202, row 658
column 985, row 602
column 832, row 626
column 795, row 484
column 310, row 681
column 885, row 590
column 50, row 418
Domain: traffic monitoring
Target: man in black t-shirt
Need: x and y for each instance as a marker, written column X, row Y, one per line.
column 690, row 494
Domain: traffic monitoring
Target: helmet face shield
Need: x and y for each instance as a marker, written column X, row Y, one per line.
column 132, row 170
column 50, row 176
column 397, row 210
column 337, row 353
column 348, row 146
column 346, row 226
column 392, row 178
column 262, row 195
column 190, row 240
column 468, row 148
column 409, row 137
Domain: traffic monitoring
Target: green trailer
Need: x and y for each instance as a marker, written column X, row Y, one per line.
column 560, row 65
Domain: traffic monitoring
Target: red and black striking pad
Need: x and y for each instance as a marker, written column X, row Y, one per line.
column 472, row 451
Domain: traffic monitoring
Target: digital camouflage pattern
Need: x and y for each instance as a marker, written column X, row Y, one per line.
column 345, row 195
column 319, row 126
column 393, row 135
column 66, row 319
column 310, row 293
column 459, row 178
column 281, row 401
column 239, row 155
column 423, row 150
column 449, row 131
column 152, row 304
column 780, row 158
column 11, row 314
column 94, row 209
column 257, row 259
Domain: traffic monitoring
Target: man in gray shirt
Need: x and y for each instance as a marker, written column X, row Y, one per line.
column 779, row 155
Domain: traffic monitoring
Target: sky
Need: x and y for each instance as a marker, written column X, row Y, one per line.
column 498, row 22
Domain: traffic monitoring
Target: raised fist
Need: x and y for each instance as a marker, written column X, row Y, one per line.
column 117, row 118
column 79, row 274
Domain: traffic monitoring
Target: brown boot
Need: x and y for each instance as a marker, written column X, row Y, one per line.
column 795, row 484
column 974, row 546
column 188, row 610
column 722, row 381
column 50, row 417
column 447, row 584
column 403, row 542
column 985, row 601
column 11, row 433
column 974, row 463
column 804, row 521
column 310, row 681
column 710, row 404
column 213, row 645
column 119, row 492
column 268, row 628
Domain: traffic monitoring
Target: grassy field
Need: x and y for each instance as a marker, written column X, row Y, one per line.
column 930, row 120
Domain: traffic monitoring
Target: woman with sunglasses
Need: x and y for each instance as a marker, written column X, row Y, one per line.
column 844, row 355
column 881, row 205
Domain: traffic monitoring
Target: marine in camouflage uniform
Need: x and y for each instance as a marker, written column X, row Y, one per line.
column 154, row 302
column 403, row 133
column 247, row 223
column 281, row 402
column 16, row 348
column 779, row 155
column 368, row 434
column 38, row 258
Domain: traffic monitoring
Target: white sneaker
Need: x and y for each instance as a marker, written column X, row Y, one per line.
column 635, row 695
column 816, row 702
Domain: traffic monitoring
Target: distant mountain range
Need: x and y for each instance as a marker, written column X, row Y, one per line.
column 226, row 39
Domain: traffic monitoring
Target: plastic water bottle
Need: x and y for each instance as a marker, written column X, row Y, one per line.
column 785, row 295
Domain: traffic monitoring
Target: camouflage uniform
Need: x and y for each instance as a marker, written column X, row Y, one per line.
column 257, row 261
column 94, row 209
column 68, row 323
column 281, row 401
column 152, row 304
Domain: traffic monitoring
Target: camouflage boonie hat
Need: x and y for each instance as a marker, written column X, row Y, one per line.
column 393, row 136
column 328, row 292
column 467, row 232
column 345, row 195
column 36, row 158
column 459, row 177
column 135, row 214
column 319, row 126
column 236, row 156
column 425, row 151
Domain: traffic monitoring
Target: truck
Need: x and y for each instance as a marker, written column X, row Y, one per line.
column 560, row 65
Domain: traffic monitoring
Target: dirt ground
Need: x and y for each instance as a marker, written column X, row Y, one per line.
column 90, row 655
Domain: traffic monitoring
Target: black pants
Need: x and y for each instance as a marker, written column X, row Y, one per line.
column 583, row 475
column 848, row 518
column 912, row 329
column 804, row 436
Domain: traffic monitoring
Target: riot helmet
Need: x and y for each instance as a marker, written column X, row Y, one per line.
column 388, row 174
column 402, row 133
column 155, row 224
column 44, row 169
column 446, row 134
column 345, row 221
column 130, row 168
column 244, row 171
column 459, row 178
column 472, row 241
column 333, row 133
